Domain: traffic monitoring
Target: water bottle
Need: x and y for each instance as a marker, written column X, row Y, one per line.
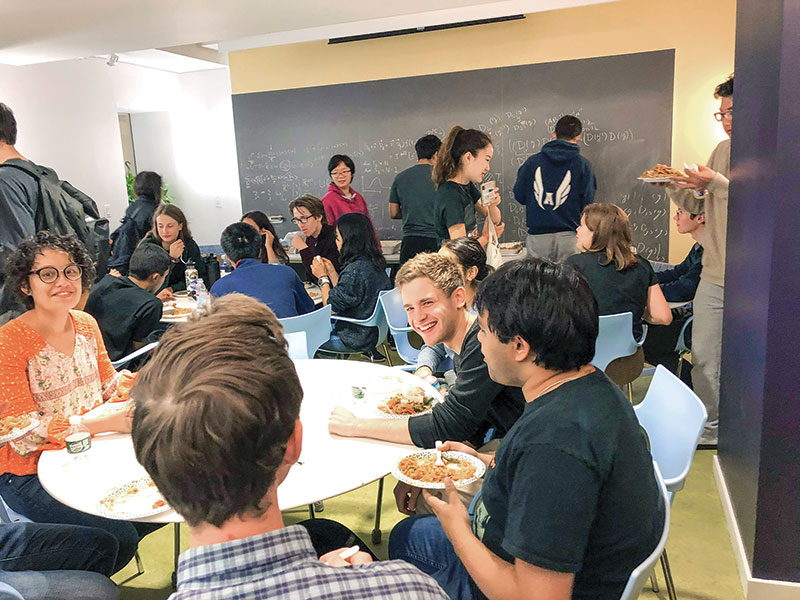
column 78, row 440
column 190, row 274
column 203, row 297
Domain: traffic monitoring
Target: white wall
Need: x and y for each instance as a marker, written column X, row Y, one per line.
column 67, row 117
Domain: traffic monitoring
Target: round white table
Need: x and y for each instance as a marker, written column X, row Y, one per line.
column 328, row 466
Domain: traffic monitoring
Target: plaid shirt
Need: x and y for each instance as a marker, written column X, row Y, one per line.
column 283, row 564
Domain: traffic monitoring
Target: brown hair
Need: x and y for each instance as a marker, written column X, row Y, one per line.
column 443, row 272
column 312, row 204
column 457, row 143
column 174, row 212
column 214, row 409
column 611, row 233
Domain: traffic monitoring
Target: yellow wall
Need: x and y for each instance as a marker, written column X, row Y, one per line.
column 701, row 31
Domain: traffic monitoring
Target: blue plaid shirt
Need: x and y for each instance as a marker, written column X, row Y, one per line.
column 283, row 564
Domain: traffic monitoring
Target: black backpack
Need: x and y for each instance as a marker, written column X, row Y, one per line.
column 63, row 209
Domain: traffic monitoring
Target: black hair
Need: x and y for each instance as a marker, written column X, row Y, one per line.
column 262, row 220
column 427, row 146
column 148, row 259
column 148, row 183
column 470, row 253
column 724, row 89
column 456, row 144
column 548, row 305
column 568, row 127
column 341, row 158
column 358, row 239
column 20, row 262
column 8, row 125
column 239, row 241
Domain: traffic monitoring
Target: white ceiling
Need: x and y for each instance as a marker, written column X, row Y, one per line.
column 35, row 31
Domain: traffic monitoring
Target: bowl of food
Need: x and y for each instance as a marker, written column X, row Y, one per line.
column 420, row 469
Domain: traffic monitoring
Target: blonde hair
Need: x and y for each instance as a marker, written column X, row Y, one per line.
column 611, row 233
column 458, row 142
column 443, row 272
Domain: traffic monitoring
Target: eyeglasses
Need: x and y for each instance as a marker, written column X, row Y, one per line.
column 302, row 220
column 50, row 274
column 341, row 173
column 724, row 116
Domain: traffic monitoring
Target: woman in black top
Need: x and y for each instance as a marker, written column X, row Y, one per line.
column 620, row 280
column 461, row 163
column 308, row 213
column 271, row 250
column 353, row 292
column 171, row 231
column 137, row 221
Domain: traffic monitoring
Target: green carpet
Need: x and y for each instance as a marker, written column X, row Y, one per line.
column 699, row 548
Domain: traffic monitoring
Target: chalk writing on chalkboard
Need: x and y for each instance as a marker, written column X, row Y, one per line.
column 285, row 138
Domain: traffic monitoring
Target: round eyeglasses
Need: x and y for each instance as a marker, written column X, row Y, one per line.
column 50, row 274
column 724, row 116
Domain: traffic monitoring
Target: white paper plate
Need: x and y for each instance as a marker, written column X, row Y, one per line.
column 18, row 433
column 133, row 506
column 386, row 415
column 480, row 469
column 655, row 179
column 107, row 409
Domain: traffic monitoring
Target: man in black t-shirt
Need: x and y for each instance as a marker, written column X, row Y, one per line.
column 570, row 504
column 126, row 308
column 412, row 199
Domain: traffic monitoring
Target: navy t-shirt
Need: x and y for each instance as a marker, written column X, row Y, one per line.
column 277, row 286
column 572, row 489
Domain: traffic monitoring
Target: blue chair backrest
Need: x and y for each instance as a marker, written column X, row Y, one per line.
column 638, row 578
column 398, row 324
column 673, row 417
column 297, row 345
column 316, row 325
column 614, row 339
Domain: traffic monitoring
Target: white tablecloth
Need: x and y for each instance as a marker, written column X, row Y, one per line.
column 331, row 465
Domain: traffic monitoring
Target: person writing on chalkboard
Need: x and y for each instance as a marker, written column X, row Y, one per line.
column 620, row 280
column 308, row 214
column 461, row 164
column 340, row 198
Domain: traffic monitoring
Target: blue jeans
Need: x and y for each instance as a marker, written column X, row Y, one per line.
column 25, row 495
column 43, row 561
column 420, row 540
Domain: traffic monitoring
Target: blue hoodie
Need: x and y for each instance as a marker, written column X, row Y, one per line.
column 555, row 185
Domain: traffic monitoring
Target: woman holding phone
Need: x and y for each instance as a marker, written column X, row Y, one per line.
column 461, row 164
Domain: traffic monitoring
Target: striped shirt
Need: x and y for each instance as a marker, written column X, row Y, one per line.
column 283, row 564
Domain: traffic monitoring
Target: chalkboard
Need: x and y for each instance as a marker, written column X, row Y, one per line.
column 285, row 138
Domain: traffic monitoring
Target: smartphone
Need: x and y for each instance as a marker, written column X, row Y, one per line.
column 487, row 192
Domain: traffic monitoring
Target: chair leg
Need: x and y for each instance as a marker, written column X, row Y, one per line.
column 387, row 353
column 654, row 582
column 376, row 533
column 177, row 550
column 311, row 511
column 671, row 593
column 630, row 393
column 139, row 570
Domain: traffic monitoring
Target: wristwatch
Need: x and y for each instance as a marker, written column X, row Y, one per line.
column 323, row 280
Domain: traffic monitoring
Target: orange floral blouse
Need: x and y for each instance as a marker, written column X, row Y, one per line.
column 38, row 380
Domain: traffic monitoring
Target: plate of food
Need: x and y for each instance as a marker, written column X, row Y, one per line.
column 420, row 470
column 175, row 313
column 409, row 402
column 510, row 246
column 12, row 428
column 133, row 500
column 660, row 174
column 107, row 409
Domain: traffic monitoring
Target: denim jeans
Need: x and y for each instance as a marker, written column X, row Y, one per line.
column 44, row 561
column 25, row 495
column 420, row 540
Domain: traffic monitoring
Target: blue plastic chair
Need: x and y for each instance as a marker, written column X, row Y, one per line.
column 298, row 348
column 680, row 347
column 645, row 570
column 376, row 319
column 316, row 325
column 673, row 417
column 126, row 359
column 614, row 339
column 397, row 319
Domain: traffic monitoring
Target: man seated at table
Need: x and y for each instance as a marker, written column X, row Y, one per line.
column 277, row 286
column 216, row 425
column 679, row 284
column 126, row 308
column 435, row 300
column 570, row 503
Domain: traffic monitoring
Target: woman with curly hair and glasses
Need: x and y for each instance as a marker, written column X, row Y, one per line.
column 53, row 365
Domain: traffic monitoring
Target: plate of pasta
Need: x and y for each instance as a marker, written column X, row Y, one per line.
column 408, row 402
column 420, row 469
column 12, row 428
column 133, row 500
column 660, row 174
